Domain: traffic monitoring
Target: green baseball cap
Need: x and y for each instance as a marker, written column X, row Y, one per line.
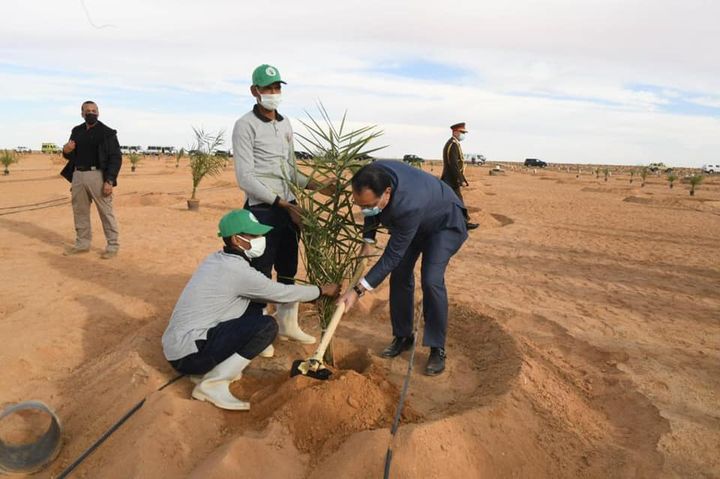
column 241, row 221
column 265, row 75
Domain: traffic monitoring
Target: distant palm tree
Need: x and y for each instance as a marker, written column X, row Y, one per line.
column 694, row 181
column 203, row 161
column 643, row 175
column 632, row 175
column 178, row 157
column 606, row 171
column 7, row 158
column 671, row 177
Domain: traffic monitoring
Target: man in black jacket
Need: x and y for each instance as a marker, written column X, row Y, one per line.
column 94, row 161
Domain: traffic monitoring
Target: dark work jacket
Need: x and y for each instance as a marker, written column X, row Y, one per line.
column 109, row 156
column 420, row 206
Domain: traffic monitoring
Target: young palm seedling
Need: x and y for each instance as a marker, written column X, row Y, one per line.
column 643, row 175
column 203, row 162
column 331, row 235
column 179, row 156
column 671, row 177
column 7, row 158
column 694, row 181
column 134, row 160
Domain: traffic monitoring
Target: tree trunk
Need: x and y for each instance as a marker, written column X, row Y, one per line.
column 132, row 168
column 692, row 190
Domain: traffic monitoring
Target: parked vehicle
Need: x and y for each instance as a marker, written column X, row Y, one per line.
column 303, row 155
column 711, row 168
column 223, row 153
column 50, row 148
column 534, row 162
column 160, row 150
column 655, row 167
column 474, row 158
column 412, row 159
column 366, row 158
column 22, row 150
column 127, row 150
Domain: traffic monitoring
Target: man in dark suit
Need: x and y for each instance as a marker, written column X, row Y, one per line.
column 423, row 216
column 94, row 161
column 454, row 165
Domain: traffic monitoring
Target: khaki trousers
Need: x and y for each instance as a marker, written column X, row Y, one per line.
column 87, row 188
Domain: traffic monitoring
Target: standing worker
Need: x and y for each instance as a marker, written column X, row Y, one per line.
column 431, row 224
column 264, row 168
column 454, row 165
column 94, row 161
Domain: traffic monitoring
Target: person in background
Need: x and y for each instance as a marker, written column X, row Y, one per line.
column 454, row 166
column 94, row 161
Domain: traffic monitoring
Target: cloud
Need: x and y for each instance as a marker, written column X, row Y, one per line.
column 596, row 81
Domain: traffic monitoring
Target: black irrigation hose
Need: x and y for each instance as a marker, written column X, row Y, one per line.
column 109, row 432
column 401, row 404
column 61, row 202
column 62, row 198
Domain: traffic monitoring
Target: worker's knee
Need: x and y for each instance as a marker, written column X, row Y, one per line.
column 269, row 327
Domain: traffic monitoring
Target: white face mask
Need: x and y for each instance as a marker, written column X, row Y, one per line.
column 270, row 101
column 257, row 247
column 461, row 136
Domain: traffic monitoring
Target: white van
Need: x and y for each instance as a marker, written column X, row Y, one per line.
column 474, row 158
column 711, row 168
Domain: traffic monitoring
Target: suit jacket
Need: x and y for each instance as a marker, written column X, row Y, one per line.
column 420, row 205
column 109, row 155
column 453, row 165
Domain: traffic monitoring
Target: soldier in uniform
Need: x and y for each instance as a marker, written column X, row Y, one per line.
column 454, row 165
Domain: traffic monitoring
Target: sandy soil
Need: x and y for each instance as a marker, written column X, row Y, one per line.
column 584, row 339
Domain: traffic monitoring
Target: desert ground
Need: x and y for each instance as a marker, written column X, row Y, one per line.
column 584, row 338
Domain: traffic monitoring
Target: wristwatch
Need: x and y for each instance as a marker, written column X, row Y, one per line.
column 358, row 290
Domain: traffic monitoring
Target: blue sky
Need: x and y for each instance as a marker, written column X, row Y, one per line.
column 593, row 81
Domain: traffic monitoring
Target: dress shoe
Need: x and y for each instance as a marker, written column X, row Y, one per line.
column 471, row 226
column 398, row 345
column 436, row 362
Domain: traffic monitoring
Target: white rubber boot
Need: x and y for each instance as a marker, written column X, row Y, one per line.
column 267, row 352
column 215, row 385
column 288, row 329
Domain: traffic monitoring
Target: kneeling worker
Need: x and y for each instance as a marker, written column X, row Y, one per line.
column 216, row 328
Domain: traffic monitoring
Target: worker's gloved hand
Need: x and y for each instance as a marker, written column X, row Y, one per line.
column 330, row 290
